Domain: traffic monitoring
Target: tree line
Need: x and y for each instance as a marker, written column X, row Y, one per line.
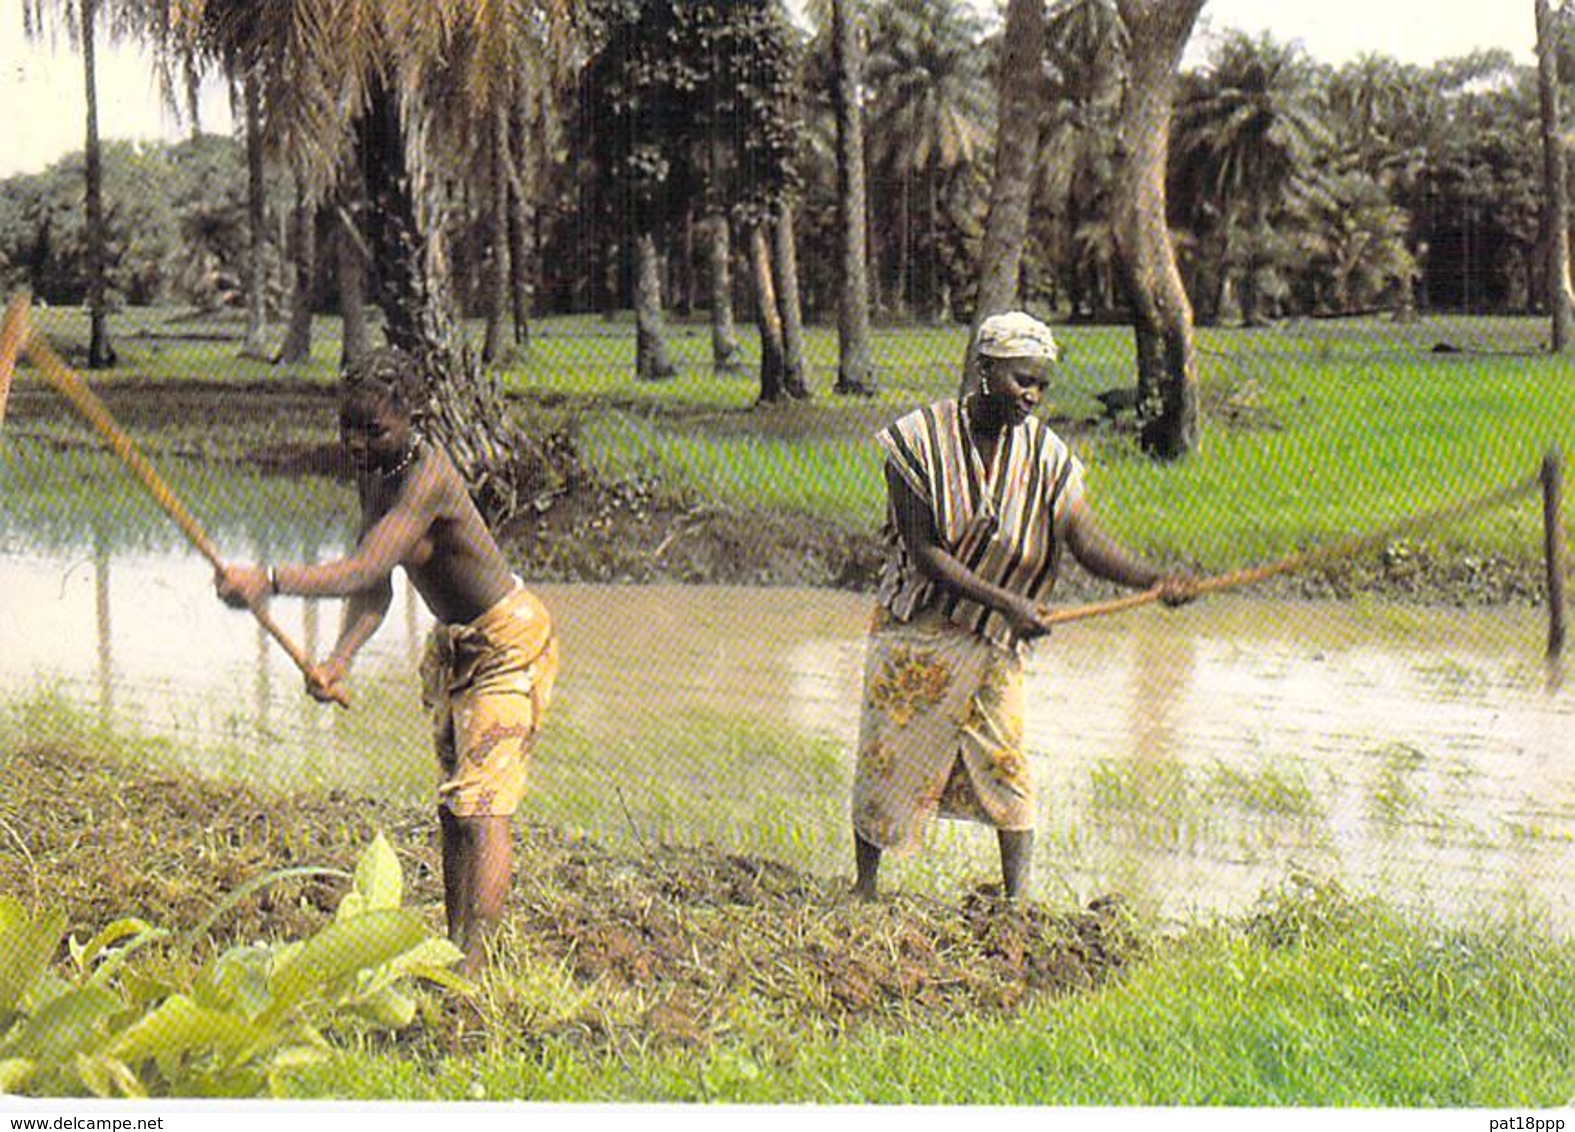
column 837, row 161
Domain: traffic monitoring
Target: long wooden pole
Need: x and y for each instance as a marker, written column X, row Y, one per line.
column 1298, row 561
column 85, row 401
column 11, row 334
column 1553, row 548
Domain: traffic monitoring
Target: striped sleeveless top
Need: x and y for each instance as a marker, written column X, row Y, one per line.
column 1006, row 524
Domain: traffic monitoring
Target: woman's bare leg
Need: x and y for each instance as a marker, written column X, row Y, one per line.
column 866, row 859
column 1017, row 851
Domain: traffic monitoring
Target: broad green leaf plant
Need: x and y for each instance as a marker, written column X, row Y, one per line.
column 236, row 1025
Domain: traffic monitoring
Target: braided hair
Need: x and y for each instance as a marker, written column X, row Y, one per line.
column 385, row 376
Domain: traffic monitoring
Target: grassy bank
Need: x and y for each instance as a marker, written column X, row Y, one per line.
column 1309, row 436
column 1311, row 432
column 656, row 973
column 1367, row 1012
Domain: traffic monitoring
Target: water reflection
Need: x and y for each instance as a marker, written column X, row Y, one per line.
column 1185, row 758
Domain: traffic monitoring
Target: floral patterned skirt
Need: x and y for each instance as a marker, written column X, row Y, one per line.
column 941, row 733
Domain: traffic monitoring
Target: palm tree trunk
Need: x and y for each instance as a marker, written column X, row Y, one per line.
column 350, row 263
column 464, row 409
column 719, row 275
column 1251, row 276
column 101, row 354
column 904, row 246
column 1162, row 316
column 297, row 346
column 255, row 344
column 495, row 257
column 402, row 291
column 521, row 227
column 855, row 371
column 688, row 279
column 652, row 360
column 933, row 302
column 1560, row 292
column 768, row 318
column 520, row 231
column 793, row 381
column 1020, row 96
column 1213, row 275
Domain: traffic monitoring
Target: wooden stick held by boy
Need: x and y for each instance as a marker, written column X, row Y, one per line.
column 66, row 382
column 11, row 334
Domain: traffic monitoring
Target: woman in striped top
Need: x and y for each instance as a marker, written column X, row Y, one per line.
column 982, row 497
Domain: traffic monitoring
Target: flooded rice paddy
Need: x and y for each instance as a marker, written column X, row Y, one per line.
column 1186, row 759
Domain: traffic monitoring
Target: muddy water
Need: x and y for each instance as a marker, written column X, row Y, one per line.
column 1186, row 759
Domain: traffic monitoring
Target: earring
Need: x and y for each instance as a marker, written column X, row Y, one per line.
column 984, row 387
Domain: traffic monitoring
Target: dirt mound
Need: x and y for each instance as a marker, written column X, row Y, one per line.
column 675, row 945
column 629, row 532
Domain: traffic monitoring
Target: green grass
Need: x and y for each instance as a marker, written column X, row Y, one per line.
column 1312, row 1005
column 67, row 498
column 705, row 778
column 1366, row 430
column 1314, row 999
column 1311, row 434
column 1312, row 431
column 835, row 480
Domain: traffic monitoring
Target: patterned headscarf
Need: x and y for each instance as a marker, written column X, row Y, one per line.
column 1017, row 335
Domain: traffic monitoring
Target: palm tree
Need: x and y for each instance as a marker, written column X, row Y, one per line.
column 1085, row 49
column 785, row 259
column 1365, row 101
column 1382, row 112
column 1248, row 133
column 1021, row 87
column 254, row 344
column 635, row 119
column 932, row 115
column 1352, row 244
column 855, row 370
column 351, row 260
column 1157, row 32
column 495, row 227
column 725, row 350
column 305, row 220
column 1556, row 225
column 416, row 83
column 81, row 21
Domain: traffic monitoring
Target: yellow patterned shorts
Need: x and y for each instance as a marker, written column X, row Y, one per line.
column 940, row 733
column 486, row 685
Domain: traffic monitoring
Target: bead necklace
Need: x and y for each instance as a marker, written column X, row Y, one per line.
column 412, row 450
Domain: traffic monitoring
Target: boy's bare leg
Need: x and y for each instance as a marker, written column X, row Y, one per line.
column 477, row 872
column 456, row 894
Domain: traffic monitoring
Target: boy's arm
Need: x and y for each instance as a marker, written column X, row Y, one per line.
column 381, row 547
column 364, row 612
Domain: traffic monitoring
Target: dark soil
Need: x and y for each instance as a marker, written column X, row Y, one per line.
column 671, row 946
column 627, row 532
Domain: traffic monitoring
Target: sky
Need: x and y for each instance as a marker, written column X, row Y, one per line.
column 43, row 109
column 1412, row 31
